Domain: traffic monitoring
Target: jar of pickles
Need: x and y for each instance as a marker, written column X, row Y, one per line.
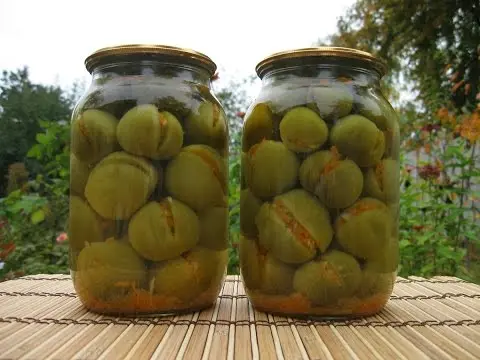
column 148, row 193
column 320, row 186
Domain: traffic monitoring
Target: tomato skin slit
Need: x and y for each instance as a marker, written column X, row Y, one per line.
column 298, row 231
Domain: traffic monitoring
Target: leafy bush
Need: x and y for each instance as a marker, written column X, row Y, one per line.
column 23, row 105
column 32, row 227
column 439, row 217
column 234, row 212
column 35, row 215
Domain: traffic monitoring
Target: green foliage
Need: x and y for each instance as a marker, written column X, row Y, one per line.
column 436, row 229
column 439, row 218
column 37, row 214
column 52, row 152
column 427, row 42
column 32, row 228
column 234, row 100
column 22, row 106
column 234, row 220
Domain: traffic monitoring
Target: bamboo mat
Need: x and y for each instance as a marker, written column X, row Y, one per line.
column 438, row 318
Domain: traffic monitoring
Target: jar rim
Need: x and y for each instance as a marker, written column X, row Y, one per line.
column 194, row 56
column 322, row 52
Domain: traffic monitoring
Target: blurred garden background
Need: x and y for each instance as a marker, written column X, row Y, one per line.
column 433, row 52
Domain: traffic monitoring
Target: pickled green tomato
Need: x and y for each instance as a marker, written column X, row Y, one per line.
column 294, row 227
column 364, row 229
column 258, row 126
column 336, row 181
column 197, row 177
column 249, row 208
column 207, row 125
column 164, row 230
column 120, row 185
column 302, row 130
column 261, row 270
column 263, row 174
column 382, row 181
column 145, row 131
column 330, row 277
column 79, row 172
column 83, row 224
column 93, row 135
column 359, row 139
column 109, row 269
column 378, row 110
column 186, row 276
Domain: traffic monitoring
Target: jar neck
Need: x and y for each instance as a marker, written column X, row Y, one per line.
column 311, row 74
column 150, row 69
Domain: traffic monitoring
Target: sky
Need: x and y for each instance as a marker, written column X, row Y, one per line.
column 54, row 37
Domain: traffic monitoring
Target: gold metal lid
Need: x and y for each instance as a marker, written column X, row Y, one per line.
column 158, row 50
column 322, row 52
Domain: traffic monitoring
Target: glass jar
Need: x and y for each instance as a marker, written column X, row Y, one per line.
column 320, row 196
column 148, row 193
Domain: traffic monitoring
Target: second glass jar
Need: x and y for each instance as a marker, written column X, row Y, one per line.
column 320, row 186
column 148, row 207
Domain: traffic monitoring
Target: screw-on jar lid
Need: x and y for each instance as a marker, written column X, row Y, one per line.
column 110, row 53
column 319, row 53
